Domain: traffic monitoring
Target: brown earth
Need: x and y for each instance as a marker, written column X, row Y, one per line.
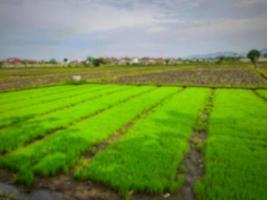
column 14, row 79
column 205, row 76
column 211, row 75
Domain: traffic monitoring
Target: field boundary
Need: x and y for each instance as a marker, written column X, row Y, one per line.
column 192, row 167
column 139, row 84
column 181, row 85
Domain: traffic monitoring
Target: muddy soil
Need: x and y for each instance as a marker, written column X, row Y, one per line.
column 224, row 77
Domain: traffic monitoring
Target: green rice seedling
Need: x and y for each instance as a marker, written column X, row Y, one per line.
column 146, row 158
column 262, row 93
column 235, row 158
column 11, row 137
column 24, row 176
column 51, row 164
column 199, row 189
column 24, row 113
column 28, row 103
column 9, row 98
column 75, row 140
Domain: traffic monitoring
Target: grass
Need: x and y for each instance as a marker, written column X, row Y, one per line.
column 66, row 147
column 145, row 132
column 43, row 98
column 30, row 111
column 24, row 95
column 236, row 151
column 262, row 93
column 147, row 157
column 23, row 132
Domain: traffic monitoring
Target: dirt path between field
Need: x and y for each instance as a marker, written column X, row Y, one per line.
column 194, row 160
column 192, row 167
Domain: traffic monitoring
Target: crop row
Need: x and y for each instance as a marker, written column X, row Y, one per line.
column 148, row 154
column 11, row 137
column 262, row 93
column 146, row 158
column 20, row 115
column 60, row 150
column 24, row 95
column 236, row 151
column 59, row 95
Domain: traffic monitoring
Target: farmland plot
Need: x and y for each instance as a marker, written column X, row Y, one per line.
column 60, row 150
column 147, row 157
column 30, row 111
column 145, row 134
column 10, row 97
column 262, row 93
column 236, row 150
column 29, row 101
column 42, row 125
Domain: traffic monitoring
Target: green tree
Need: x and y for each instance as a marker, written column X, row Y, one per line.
column 90, row 60
column 98, row 61
column 167, row 61
column 65, row 60
column 95, row 61
column 254, row 55
column 52, row 61
column 220, row 60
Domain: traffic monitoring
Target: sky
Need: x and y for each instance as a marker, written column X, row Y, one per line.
column 75, row 29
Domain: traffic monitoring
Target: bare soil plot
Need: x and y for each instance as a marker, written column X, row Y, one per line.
column 212, row 75
column 215, row 76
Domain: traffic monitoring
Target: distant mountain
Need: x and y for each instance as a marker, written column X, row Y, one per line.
column 264, row 51
column 216, row 55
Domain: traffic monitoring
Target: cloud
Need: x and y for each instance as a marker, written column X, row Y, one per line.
column 248, row 3
column 89, row 16
column 130, row 27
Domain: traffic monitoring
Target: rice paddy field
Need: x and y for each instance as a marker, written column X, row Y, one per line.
column 109, row 141
column 242, row 75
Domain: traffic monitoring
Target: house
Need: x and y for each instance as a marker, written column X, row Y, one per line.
column 111, row 60
column 134, row 61
column 14, row 61
column 148, row 61
column 124, row 61
column 172, row 61
column 73, row 62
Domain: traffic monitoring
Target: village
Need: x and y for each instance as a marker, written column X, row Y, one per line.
column 114, row 61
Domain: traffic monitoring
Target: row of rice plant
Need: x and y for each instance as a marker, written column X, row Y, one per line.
column 262, row 93
column 19, row 115
column 236, row 151
column 45, row 98
column 24, row 95
column 14, row 136
column 58, row 151
column 147, row 157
